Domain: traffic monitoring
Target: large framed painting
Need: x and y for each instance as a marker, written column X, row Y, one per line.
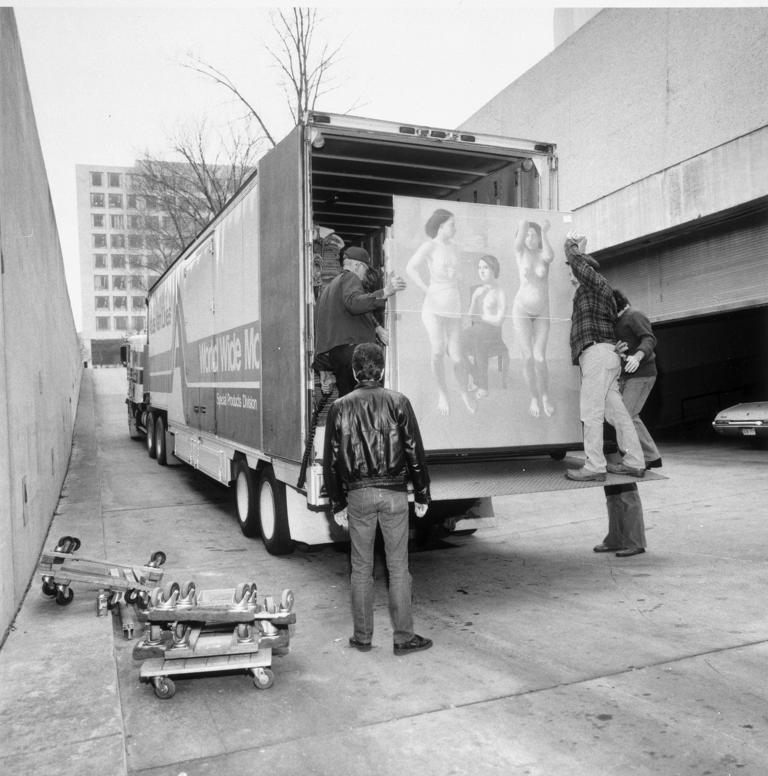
column 480, row 336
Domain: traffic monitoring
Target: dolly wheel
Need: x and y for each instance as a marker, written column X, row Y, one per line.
column 64, row 597
column 263, row 678
column 49, row 589
column 242, row 591
column 131, row 596
column 64, row 544
column 286, row 600
column 157, row 559
column 164, row 687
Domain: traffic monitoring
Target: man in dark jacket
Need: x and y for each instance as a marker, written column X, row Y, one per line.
column 345, row 316
column 373, row 448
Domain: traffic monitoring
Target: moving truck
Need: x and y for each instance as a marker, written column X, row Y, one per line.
column 224, row 381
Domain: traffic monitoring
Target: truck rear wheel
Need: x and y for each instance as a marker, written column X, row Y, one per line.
column 246, row 504
column 161, row 451
column 273, row 514
column 151, row 450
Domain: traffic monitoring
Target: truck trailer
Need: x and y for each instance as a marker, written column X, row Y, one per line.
column 225, row 380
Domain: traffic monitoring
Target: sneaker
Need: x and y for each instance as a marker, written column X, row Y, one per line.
column 414, row 644
column 360, row 646
column 620, row 468
column 654, row 464
column 605, row 548
column 584, row 475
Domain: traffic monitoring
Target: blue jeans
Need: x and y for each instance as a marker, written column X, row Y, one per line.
column 600, row 400
column 367, row 507
column 634, row 392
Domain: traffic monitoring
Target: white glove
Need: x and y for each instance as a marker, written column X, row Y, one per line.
column 341, row 518
column 420, row 509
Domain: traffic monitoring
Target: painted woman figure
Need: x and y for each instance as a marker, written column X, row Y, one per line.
column 487, row 309
column 441, row 311
column 530, row 311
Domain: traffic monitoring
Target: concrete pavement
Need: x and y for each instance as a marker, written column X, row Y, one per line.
column 549, row 660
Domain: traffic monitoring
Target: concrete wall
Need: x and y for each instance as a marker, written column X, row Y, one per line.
column 40, row 365
column 653, row 95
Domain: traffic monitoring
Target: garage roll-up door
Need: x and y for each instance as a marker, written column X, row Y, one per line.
column 716, row 268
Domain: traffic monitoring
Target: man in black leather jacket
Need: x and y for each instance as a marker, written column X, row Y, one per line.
column 372, row 449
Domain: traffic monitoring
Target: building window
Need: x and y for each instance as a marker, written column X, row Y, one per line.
column 135, row 241
column 115, row 200
column 150, row 203
column 152, row 241
column 99, row 241
column 114, row 179
column 131, row 202
column 134, row 261
column 118, row 261
column 137, row 322
column 120, row 302
column 101, row 282
column 116, row 221
column 167, row 223
column 100, row 260
column 96, row 179
column 97, row 220
column 97, row 200
column 102, row 303
column 152, row 222
column 121, row 322
column 119, row 282
column 138, row 282
column 117, row 240
column 102, row 323
column 134, row 222
column 138, row 303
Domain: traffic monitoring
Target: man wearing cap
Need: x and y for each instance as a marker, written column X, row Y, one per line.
column 345, row 316
column 593, row 349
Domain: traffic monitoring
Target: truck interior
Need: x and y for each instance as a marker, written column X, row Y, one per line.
column 355, row 175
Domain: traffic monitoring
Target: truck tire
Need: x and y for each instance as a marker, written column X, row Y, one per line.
column 161, row 449
column 246, row 503
column 273, row 514
column 151, row 449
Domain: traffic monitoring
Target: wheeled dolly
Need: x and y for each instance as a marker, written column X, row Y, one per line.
column 159, row 671
column 212, row 631
column 61, row 567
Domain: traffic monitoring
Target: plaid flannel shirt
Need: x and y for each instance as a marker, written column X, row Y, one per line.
column 594, row 311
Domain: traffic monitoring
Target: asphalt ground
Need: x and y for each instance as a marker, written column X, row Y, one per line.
column 549, row 659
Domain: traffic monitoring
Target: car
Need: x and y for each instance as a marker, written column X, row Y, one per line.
column 748, row 419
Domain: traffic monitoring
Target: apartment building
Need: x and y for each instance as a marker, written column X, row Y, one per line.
column 118, row 230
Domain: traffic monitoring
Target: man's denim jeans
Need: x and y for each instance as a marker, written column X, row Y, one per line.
column 389, row 508
column 634, row 392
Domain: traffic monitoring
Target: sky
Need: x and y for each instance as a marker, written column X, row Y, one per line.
column 108, row 82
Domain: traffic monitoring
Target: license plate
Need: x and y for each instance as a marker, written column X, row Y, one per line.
column 748, row 432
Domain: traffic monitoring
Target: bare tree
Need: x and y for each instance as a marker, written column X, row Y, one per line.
column 179, row 197
column 304, row 72
column 186, row 193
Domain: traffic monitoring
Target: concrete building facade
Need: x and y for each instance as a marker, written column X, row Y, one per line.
column 40, row 364
column 660, row 118
column 116, row 230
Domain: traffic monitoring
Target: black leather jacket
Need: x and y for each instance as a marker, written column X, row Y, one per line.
column 372, row 439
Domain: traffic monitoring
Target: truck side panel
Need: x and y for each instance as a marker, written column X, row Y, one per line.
column 238, row 324
column 282, row 297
